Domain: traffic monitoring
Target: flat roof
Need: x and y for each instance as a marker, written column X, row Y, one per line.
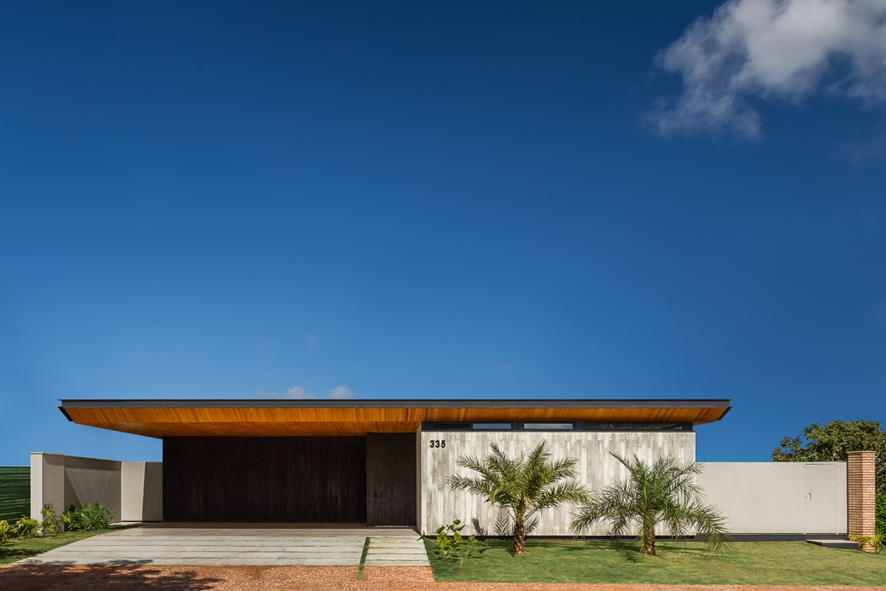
column 287, row 417
column 394, row 403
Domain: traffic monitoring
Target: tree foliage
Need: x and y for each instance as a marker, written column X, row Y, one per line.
column 833, row 442
column 661, row 493
column 881, row 513
column 521, row 486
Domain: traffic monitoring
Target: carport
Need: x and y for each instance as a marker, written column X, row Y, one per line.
column 319, row 479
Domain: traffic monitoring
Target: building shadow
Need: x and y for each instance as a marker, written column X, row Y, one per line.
column 103, row 578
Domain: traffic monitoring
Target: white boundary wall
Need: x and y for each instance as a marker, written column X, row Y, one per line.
column 133, row 489
column 779, row 497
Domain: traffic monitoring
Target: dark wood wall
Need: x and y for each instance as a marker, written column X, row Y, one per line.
column 284, row 479
column 391, row 479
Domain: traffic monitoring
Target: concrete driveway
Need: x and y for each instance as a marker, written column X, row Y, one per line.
column 243, row 545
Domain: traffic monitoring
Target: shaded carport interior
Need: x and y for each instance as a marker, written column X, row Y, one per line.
column 325, row 460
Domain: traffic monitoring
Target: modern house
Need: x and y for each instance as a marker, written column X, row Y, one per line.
column 379, row 462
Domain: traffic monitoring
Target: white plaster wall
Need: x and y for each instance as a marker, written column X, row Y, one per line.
column 141, row 495
column 63, row 481
column 778, row 497
column 596, row 468
column 133, row 489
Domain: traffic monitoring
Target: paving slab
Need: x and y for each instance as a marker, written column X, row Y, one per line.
column 208, row 550
column 397, row 551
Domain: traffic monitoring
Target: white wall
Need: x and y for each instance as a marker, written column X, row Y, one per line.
column 132, row 489
column 778, row 497
column 141, row 493
column 63, row 481
column 596, row 468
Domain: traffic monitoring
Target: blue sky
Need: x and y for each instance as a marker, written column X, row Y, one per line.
column 442, row 200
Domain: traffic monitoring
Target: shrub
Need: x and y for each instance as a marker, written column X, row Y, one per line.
column 51, row 521
column 27, row 527
column 881, row 513
column 89, row 516
column 450, row 544
column 6, row 532
column 875, row 542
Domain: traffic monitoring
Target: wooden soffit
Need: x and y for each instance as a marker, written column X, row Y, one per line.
column 278, row 418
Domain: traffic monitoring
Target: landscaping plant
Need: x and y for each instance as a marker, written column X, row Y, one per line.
column 521, row 486
column 880, row 508
column 51, row 521
column 26, row 527
column 875, row 542
column 662, row 492
column 450, row 544
column 6, row 531
column 88, row 517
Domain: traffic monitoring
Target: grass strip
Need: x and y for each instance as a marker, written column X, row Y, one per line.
column 363, row 559
column 747, row 563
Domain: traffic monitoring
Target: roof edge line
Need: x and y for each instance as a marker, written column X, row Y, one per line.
column 396, row 403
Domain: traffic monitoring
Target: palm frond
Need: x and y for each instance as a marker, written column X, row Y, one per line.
column 566, row 492
column 522, row 486
column 658, row 493
column 710, row 525
column 504, row 525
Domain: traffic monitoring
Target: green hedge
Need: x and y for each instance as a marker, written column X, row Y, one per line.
column 15, row 493
column 881, row 513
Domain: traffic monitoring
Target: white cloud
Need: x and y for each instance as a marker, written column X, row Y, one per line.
column 342, row 392
column 772, row 49
column 295, row 393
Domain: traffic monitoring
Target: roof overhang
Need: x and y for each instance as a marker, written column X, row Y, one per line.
column 277, row 418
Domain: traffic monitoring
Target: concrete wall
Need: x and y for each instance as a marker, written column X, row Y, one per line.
column 132, row 489
column 63, row 481
column 596, row 467
column 778, row 497
column 141, row 492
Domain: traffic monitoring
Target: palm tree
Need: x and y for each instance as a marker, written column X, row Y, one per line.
column 659, row 493
column 521, row 486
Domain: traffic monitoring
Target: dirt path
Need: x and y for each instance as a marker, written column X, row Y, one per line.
column 306, row 578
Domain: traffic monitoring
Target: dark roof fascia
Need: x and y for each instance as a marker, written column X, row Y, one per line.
column 396, row 403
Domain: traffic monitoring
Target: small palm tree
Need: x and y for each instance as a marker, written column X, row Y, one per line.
column 521, row 486
column 659, row 493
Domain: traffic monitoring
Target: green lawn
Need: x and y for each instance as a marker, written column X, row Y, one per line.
column 748, row 563
column 20, row 549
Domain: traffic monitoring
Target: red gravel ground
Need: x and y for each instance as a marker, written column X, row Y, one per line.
column 307, row 578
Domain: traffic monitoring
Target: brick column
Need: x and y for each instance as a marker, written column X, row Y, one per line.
column 861, row 474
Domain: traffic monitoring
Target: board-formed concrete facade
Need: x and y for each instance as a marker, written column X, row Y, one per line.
column 596, row 468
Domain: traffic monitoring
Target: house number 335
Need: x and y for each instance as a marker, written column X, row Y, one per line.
column 438, row 443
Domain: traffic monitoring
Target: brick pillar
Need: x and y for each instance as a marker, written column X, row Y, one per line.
column 861, row 474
